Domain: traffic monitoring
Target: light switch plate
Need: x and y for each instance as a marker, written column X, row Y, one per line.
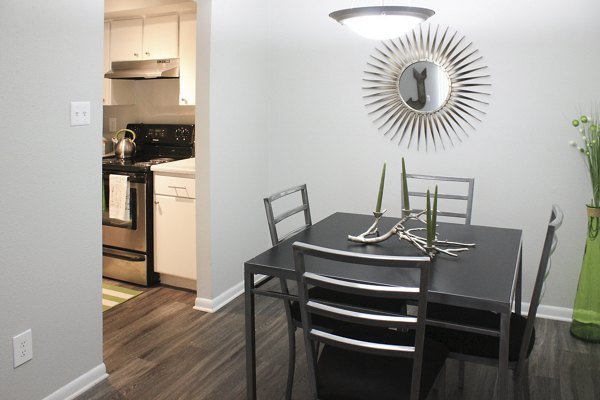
column 80, row 113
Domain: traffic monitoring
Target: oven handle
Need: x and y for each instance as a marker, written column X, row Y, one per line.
column 122, row 257
column 117, row 223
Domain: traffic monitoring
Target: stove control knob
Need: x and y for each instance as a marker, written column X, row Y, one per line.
column 182, row 134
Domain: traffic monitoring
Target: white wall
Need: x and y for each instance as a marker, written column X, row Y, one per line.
column 231, row 144
column 543, row 64
column 50, row 241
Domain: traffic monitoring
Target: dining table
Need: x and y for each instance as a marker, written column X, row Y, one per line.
column 486, row 277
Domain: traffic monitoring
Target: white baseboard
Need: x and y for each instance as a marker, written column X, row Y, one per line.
column 551, row 312
column 81, row 384
column 212, row 305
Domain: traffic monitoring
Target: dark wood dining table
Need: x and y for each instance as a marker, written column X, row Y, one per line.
column 487, row 277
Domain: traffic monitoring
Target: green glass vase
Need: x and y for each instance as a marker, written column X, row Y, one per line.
column 586, row 312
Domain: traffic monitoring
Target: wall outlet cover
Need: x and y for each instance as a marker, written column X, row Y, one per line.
column 22, row 348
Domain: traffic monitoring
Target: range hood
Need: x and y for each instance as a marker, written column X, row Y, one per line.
column 144, row 69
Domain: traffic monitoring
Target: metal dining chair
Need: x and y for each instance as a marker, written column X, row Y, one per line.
column 450, row 188
column 455, row 191
column 292, row 308
column 273, row 221
column 373, row 353
column 483, row 349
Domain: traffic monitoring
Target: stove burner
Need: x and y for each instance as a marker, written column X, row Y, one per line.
column 153, row 162
column 161, row 160
column 116, row 161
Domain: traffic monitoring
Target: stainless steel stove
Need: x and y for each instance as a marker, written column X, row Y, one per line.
column 127, row 245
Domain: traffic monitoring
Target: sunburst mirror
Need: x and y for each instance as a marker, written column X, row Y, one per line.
column 424, row 88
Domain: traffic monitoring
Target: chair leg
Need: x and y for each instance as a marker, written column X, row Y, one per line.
column 442, row 383
column 521, row 382
column 291, row 361
column 291, row 342
column 461, row 374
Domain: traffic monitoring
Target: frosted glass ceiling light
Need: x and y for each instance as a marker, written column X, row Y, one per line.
column 381, row 22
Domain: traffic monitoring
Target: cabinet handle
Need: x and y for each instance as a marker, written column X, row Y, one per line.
column 184, row 100
column 147, row 53
column 156, row 202
column 136, row 55
column 178, row 187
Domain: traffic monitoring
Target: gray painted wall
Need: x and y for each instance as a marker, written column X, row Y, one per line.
column 544, row 69
column 50, row 236
column 231, row 140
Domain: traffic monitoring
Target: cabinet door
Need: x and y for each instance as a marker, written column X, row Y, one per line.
column 126, row 39
column 106, row 65
column 175, row 236
column 161, row 37
column 187, row 59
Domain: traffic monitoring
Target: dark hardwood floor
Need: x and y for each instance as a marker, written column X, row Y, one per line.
column 157, row 347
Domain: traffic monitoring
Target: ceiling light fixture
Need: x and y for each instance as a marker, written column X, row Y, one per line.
column 382, row 22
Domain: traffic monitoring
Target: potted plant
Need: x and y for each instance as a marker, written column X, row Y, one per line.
column 586, row 311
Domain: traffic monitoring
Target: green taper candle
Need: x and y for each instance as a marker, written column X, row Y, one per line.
column 428, row 220
column 380, row 195
column 434, row 214
column 405, row 187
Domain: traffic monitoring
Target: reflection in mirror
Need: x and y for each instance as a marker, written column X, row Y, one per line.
column 424, row 86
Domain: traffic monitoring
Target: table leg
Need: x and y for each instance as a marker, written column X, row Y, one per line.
column 250, row 336
column 519, row 284
column 502, row 388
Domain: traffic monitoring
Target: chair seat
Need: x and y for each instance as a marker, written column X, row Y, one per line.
column 332, row 296
column 472, row 343
column 351, row 375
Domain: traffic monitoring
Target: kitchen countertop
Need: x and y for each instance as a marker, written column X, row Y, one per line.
column 186, row 167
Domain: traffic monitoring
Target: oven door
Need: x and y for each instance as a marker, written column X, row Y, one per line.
column 129, row 235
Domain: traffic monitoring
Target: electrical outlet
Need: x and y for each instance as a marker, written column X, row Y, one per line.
column 112, row 124
column 22, row 348
column 80, row 113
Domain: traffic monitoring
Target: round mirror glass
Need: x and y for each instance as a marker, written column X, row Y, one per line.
column 424, row 86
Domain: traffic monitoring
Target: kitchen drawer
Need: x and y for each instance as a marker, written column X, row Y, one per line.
column 174, row 186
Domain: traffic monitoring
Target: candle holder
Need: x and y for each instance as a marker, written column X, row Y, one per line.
column 373, row 229
column 410, row 235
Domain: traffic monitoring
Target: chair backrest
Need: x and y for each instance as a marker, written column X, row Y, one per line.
column 457, row 193
column 309, row 260
column 556, row 219
column 273, row 220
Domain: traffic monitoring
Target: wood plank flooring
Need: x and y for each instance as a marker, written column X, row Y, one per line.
column 157, row 347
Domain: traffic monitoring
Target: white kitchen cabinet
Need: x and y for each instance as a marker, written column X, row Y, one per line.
column 187, row 59
column 175, row 225
column 147, row 38
column 126, row 39
column 115, row 92
column 161, row 37
column 106, row 67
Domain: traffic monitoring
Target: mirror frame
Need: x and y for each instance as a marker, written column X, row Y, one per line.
column 468, row 90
